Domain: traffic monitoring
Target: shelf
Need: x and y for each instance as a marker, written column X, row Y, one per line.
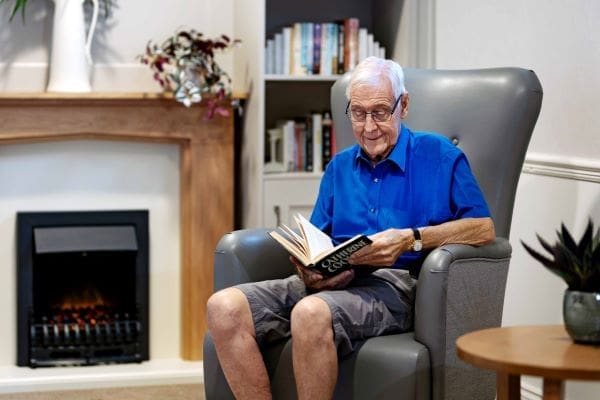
column 302, row 78
column 292, row 176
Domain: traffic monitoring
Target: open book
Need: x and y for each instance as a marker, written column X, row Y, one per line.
column 314, row 249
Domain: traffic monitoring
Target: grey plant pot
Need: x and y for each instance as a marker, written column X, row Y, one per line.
column 581, row 312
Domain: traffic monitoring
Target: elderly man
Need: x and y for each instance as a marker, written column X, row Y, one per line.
column 410, row 192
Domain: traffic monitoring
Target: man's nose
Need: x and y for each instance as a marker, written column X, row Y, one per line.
column 370, row 124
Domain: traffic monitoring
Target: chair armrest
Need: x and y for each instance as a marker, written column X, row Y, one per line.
column 249, row 255
column 460, row 289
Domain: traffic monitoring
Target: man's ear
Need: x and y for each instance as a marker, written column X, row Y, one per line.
column 404, row 104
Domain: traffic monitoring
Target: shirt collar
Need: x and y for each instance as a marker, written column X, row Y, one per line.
column 398, row 154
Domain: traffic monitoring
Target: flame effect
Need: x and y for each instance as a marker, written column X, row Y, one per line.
column 88, row 297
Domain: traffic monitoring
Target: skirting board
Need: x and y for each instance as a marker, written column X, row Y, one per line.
column 154, row 372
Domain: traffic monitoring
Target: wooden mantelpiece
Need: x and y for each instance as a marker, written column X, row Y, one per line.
column 206, row 171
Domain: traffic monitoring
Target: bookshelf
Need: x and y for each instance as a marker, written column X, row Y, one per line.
column 269, row 198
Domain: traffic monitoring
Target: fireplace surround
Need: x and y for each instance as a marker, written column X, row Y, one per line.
column 206, row 169
column 82, row 287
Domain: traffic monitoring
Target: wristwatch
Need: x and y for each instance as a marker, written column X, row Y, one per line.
column 418, row 243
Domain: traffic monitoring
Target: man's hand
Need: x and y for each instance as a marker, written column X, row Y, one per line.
column 315, row 281
column 387, row 246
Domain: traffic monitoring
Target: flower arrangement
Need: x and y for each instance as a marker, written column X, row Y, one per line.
column 184, row 65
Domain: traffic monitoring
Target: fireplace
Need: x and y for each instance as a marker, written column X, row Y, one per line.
column 82, row 287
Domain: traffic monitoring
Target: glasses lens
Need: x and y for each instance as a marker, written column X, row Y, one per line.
column 358, row 115
column 380, row 115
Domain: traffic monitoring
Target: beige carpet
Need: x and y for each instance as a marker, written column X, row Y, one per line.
column 165, row 392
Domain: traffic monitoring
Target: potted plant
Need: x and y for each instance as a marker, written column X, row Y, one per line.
column 578, row 264
column 185, row 65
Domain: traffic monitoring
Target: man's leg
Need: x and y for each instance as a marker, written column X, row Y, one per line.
column 232, row 328
column 314, row 351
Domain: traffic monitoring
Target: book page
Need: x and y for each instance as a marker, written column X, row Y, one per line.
column 295, row 238
column 291, row 248
column 317, row 241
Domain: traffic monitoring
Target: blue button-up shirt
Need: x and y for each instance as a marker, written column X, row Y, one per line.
column 425, row 180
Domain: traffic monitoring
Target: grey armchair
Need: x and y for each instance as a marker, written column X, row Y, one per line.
column 490, row 114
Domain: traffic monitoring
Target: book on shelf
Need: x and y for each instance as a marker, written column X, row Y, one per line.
column 286, row 34
column 351, row 26
column 296, row 46
column 278, row 67
column 328, row 140
column 304, row 144
column 315, row 249
column 319, row 48
column 317, row 142
column 270, row 57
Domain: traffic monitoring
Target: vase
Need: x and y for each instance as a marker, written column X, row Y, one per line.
column 581, row 312
column 70, row 54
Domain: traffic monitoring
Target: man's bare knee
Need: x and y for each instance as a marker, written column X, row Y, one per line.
column 227, row 310
column 311, row 318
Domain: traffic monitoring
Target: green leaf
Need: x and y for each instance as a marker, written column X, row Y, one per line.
column 548, row 263
column 19, row 5
column 544, row 244
column 567, row 239
column 586, row 239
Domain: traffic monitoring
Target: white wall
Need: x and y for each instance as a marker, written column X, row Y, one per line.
column 560, row 41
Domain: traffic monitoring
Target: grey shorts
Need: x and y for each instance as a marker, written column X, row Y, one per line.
column 372, row 305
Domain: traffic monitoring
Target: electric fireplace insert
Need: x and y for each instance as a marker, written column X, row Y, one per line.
column 82, row 287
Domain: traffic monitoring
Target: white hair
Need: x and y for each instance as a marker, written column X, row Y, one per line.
column 371, row 70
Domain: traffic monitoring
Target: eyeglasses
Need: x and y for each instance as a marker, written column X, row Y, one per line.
column 379, row 114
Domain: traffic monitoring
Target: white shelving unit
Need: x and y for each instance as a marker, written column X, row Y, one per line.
column 271, row 198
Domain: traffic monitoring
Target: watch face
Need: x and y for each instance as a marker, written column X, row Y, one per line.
column 418, row 245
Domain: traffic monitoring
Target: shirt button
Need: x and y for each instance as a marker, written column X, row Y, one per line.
column 376, row 180
column 372, row 209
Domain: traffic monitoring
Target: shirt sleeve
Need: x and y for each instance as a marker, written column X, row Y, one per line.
column 467, row 199
column 322, row 215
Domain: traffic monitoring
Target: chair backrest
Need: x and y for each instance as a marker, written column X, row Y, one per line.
column 488, row 113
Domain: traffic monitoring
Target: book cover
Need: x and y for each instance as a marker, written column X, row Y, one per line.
column 325, row 66
column 314, row 249
column 287, row 50
column 317, row 49
column 326, row 137
column 317, row 139
column 351, row 26
column 333, row 263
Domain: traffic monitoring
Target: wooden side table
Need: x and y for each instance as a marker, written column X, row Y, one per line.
column 545, row 351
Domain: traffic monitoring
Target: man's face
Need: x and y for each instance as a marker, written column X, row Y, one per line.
column 376, row 138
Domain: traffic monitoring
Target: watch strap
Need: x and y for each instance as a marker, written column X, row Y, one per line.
column 416, row 233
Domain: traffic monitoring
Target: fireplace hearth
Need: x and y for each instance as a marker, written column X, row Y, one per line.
column 82, row 287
